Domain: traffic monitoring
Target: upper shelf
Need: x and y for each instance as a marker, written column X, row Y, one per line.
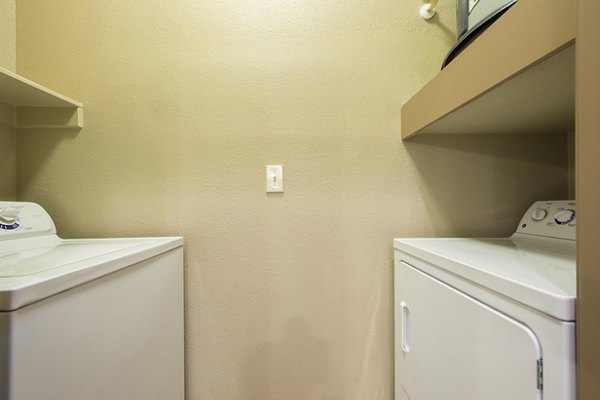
column 21, row 92
column 517, row 77
column 37, row 106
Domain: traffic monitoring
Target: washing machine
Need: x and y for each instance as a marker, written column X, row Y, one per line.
column 489, row 318
column 91, row 319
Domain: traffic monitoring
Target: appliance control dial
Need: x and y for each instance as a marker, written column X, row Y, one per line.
column 21, row 219
column 9, row 218
column 564, row 217
column 539, row 214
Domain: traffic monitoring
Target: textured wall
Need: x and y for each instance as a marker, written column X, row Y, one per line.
column 7, row 33
column 8, row 154
column 288, row 296
column 8, row 144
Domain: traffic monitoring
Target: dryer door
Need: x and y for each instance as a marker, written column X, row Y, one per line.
column 450, row 346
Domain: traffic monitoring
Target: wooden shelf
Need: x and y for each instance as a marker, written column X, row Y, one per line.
column 37, row 106
column 517, row 77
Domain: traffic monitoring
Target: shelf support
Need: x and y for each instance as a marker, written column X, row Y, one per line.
column 49, row 118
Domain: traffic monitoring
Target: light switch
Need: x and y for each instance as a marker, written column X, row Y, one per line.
column 274, row 178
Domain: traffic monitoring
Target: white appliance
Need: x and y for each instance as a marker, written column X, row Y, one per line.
column 91, row 319
column 473, row 17
column 471, row 14
column 489, row 319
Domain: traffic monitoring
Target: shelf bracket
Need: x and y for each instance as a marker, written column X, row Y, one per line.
column 49, row 118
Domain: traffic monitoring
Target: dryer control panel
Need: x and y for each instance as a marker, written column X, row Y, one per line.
column 556, row 219
column 22, row 219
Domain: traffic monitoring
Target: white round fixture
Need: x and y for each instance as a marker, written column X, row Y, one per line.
column 564, row 217
column 427, row 11
column 8, row 215
column 539, row 214
column 9, row 218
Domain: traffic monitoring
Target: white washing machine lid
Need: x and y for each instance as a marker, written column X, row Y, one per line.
column 35, row 268
column 538, row 272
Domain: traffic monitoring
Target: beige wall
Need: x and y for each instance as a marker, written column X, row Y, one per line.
column 7, row 33
column 8, row 144
column 288, row 296
column 8, row 154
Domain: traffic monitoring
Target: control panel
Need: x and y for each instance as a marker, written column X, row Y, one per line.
column 23, row 219
column 555, row 219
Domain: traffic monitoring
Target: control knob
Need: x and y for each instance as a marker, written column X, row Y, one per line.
column 8, row 218
column 564, row 217
column 539, row 214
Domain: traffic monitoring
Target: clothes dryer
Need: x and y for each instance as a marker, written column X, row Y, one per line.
column 489, row 318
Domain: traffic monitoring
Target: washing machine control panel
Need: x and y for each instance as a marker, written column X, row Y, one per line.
column 555, row 219
column 22, row 219
column 9, row 218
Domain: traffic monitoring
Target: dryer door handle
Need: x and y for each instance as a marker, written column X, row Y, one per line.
column 404, row 318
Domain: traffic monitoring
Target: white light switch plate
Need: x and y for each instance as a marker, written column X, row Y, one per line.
column 274, row 178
